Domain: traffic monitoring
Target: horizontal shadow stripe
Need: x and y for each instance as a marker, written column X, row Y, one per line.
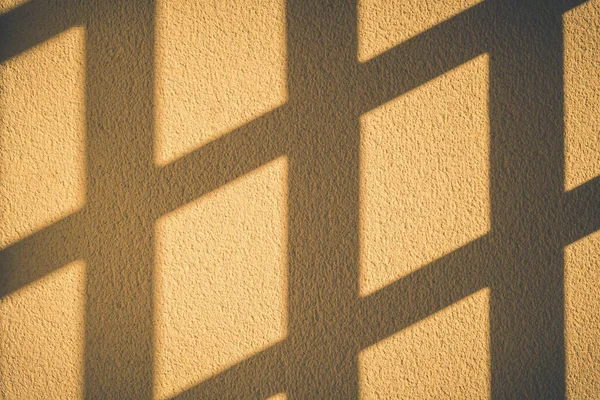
column 221, row 161
column 40, row 254
column 424, row 57
column 581, row 211
column 259, row 376
column 424, row 292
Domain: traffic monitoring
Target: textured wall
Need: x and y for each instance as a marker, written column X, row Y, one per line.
column 294, row 199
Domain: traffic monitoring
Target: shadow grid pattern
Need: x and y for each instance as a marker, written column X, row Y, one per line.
column 520, row 259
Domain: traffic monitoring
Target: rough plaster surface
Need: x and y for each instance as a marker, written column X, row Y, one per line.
column 383, row 24
column 221, row 290
column 424, row 175
column 582, row 94
column 582, row 287
column 7, row 5
column 231, row 52
column 445, row 356
column 41, row 341
column 188, row 294
column 582, row 163
column 42, row 156
column 42, row 179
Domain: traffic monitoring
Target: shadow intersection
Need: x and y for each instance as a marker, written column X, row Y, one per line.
column 520, row 259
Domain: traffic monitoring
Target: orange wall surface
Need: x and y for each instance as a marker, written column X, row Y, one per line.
column 299, row 199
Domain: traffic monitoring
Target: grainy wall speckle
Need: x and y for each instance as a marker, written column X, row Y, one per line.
column 293, row 199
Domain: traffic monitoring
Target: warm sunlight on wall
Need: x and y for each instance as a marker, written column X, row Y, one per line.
column 383, row 24
column 42, row 337
column 582, row 163
column 582, row 317
column 424, row 175
column 219, row 64
column 582, row 93
column 221, row 279
column 42, row 136
column 42, row 179
column 203, row 286
column 445, row 356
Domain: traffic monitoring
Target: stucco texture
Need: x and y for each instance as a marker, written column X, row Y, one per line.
column 294, row 199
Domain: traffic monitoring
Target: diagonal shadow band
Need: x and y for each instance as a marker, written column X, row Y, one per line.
column 318, row 129
column 59, row 244
column 34, row 22
column 265, row 139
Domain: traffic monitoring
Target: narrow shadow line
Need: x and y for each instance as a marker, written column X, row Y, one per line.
column 40, row 254
column 424, row 292
column 119, row 325
column 581, row 211
column 527, row 175
column 323, row 126
column 222, row 161
column 424, row 57
column 257, row 377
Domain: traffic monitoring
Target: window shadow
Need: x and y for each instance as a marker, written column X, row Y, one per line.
column 520, row 259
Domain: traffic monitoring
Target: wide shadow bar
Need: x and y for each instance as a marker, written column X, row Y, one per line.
column 527, row 175
column 119, row 99
column 520, row 259
column 323, row 199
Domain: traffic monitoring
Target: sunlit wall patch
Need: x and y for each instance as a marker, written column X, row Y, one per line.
column 42, row 337
column 221, row 281
column 383, row 24
column 8, row 5
column 582, row 317
column 582, row 163
column 582, row 93
column 42, row 135
column 424, row 175
column 278, row 396
column 219, row 64
column 445, row 355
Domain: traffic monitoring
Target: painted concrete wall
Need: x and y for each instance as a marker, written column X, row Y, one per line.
column 271, row 199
